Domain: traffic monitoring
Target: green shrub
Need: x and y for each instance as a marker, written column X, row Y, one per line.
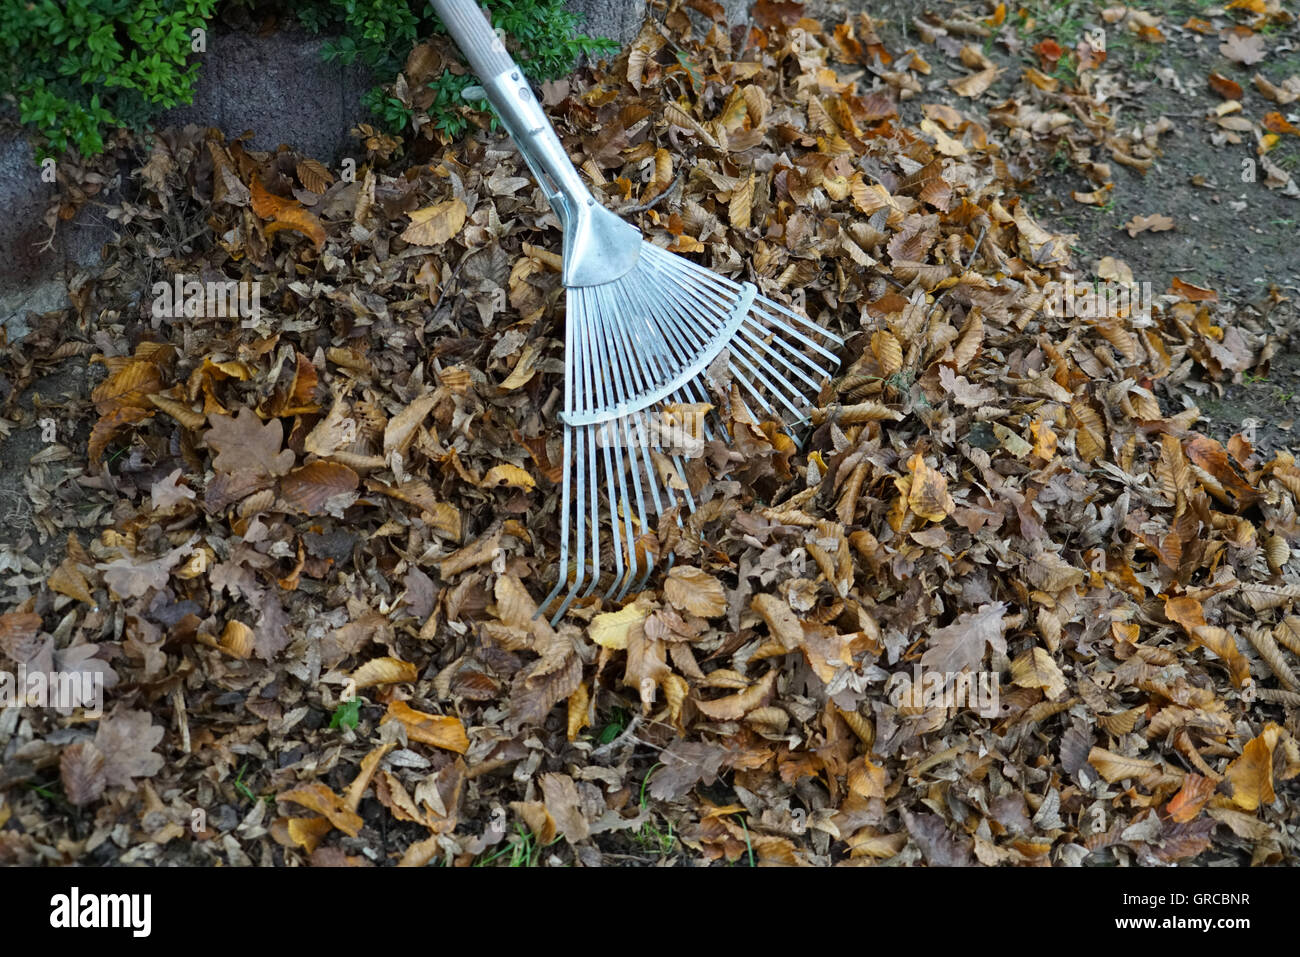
column 540, row 34
column 78, row 67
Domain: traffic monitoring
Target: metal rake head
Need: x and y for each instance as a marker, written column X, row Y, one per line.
column 634, row 346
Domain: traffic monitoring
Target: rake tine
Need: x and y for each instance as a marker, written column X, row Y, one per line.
column 564, row 523
column 618, row 389
column 639, row 501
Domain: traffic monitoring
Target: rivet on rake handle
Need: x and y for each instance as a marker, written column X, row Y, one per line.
column 643, row 326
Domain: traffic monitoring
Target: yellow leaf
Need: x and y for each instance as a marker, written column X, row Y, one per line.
column 237, row 639
column 434, row 225
column 1251, row 774
column 384, row 671
column 611, row 629
column 308, row 831
column 578, row 702
column 1036, row 669
column 511, row 476
column 928, row 496
column 524, row 368
column 742, row 203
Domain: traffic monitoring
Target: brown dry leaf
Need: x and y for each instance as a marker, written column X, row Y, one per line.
column 313, row 488
column 401, row 429
column 1117, row 767
column 1221, row 642
column 1192, row 293
column 81, row 769
column 17, row 627
column 1246, row 50
column 524, row 369
column 974, row 84
column 441, row 731
column 742, row 203
column 695, row 591
column 1155, row 223
column 537, row 819
column 1184, row 611
column 963, row 644
column 244, row 443
column 265, row 203
column 1275, row 122
column 736, row 706
column 68, row 580
column 782, row 623
column 564, row 805
column 1279, row 95
column 126, row 739
column 237, row 639
column 107, row 427
column 316, row 796
column 179, row 411
column 578, row 716
column 1225, row 87
column 929, row 496
column 436, row 224
column 130, row 386
column 478, row 552
column 314, row 176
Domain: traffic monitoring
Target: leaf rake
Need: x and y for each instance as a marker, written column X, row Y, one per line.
column 646, row 332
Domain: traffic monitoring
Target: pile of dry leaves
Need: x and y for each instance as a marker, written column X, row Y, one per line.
column 353, row 490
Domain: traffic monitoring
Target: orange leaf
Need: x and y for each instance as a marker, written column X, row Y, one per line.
column 1191, row 797
column 1226, row 88
column 266, row 204
column 1184, row 611
column 1277, row 123
column 1049, row 51
column 441, row 731
column 1192, row 293
column 317, row 797
column 299, row 220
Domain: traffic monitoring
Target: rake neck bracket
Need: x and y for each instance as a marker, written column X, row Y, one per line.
column 688, row 372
